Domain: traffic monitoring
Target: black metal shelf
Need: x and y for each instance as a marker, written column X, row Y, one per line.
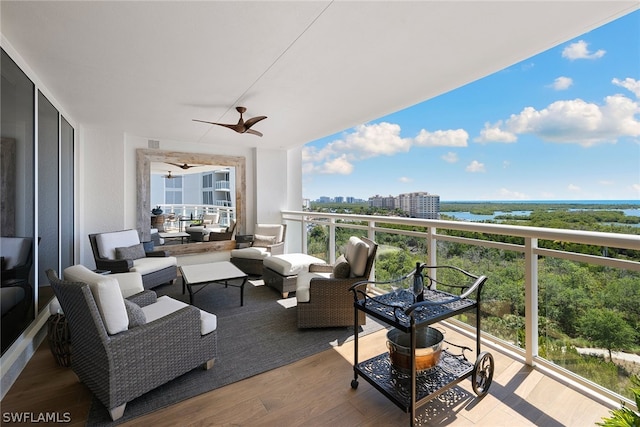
column 396, row 385
column 390, row 308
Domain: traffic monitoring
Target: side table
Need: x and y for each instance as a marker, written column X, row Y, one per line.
column 59, row 339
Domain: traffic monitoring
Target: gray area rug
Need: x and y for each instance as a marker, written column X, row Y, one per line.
column 260, row 336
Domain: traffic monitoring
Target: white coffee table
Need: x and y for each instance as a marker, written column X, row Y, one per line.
column 213, row 272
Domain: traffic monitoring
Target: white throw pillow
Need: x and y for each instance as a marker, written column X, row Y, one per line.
column 356, row 254
column 107, row 294
column 108, row 242
column 110, row 303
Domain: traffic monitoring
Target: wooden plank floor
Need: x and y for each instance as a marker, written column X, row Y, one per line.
column 316, row 392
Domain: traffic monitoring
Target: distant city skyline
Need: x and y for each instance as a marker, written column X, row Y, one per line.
column 562, row 125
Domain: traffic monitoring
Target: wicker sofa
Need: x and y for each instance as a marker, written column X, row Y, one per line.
column 120, row 354
column 322, row 293
column 121, row 252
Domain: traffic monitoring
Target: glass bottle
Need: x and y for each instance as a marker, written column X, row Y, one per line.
column 418, row 284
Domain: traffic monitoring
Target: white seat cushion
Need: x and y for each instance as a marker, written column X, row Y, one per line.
column 303, row 283
column 357, row 254
column 166, row 305
column 290, row 264
column 250, row 253
column 108, row 242
column 129, row 283
column 150, row 264
column 106, row 292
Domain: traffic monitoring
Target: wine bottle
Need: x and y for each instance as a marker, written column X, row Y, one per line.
column 418, row 284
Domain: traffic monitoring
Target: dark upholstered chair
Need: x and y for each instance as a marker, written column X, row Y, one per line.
column 168, row 340
column 121, row 252
column 323, row 295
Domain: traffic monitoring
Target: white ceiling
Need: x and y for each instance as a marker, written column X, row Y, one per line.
column 313, row 67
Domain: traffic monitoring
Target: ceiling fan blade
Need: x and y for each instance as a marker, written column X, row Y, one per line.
column 202, row 121
column 181, row 166
column 241, row 126
column 253, row 132
column 252, row 121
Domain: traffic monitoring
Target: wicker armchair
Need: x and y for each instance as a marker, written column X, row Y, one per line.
column 156, row 267
column 324, row 300
column 249, row 260
column 119, row 367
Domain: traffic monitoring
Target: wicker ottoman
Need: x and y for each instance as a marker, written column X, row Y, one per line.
column 281, row 271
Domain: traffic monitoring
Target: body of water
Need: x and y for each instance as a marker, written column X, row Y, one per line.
column 468, row 216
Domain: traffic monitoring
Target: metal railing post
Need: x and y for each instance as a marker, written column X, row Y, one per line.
column 332, row 240
column 531, row 300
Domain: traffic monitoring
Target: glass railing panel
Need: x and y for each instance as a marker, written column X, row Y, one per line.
column 589, row 318
column 397, row 256
column 502, row 305
column 318, row 241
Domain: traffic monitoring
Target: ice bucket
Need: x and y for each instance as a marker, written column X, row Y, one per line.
column 428, row 349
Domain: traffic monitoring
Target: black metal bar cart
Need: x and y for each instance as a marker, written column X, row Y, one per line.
column 410, row 312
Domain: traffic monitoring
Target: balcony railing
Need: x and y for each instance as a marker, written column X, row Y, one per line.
column 539, row 278
column 174, row 212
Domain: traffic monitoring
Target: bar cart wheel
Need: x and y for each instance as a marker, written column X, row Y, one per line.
column 354, row 384
column 482, row 374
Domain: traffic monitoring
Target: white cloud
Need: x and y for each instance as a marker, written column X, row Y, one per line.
column 475, row 166
column 573, row 188
column 442, row 138
column 636, row 187
column 493, row 133
column 372, row 140
column 405, row 179
column 562, row 83
column 580, row 50
column 506, row 164
column 571, row 121
column 630, row 84
column 450, row 157
column 338, row 165
column 505, row 194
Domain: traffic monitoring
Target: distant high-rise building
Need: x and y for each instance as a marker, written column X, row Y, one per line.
column 420, row 204
column 351, row 199
column 324, row 199
column 338, row 199
column 388, row 202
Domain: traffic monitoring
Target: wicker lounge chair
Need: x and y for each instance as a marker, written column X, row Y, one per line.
column 156, row 267
column 118, row 367
column 323, row 295
column 268, row 239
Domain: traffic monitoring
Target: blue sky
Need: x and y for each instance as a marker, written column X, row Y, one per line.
column 562, row 125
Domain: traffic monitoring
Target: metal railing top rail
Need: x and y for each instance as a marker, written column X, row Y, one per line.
column 616, row 240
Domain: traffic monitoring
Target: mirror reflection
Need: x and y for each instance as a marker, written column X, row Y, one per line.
column 189, row 198
column 184, row 196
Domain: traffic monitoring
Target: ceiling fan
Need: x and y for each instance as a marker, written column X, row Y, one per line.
column 168, row 176
column 241, row 126
column 182, row 166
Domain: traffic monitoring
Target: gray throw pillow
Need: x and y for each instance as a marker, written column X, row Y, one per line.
column 341, row 269
column 131, row 252
column 135, row 313
column 263, row 241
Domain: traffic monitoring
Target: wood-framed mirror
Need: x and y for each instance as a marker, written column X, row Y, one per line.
column 144, row 160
